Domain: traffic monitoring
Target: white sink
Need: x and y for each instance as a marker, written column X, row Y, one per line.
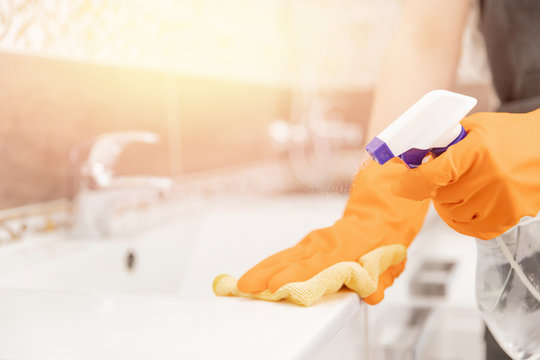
column 85, row 302
column 158, row 259
column 230, row 235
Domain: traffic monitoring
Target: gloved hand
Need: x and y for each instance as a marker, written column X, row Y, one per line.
column 486, row 183
column 373, row 217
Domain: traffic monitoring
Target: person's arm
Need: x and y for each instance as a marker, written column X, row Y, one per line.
column 422, row 55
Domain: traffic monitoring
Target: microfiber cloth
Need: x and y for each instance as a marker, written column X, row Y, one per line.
column 361, row 276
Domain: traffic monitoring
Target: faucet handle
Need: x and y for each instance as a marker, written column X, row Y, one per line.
column 107, row 147
column 105, row 150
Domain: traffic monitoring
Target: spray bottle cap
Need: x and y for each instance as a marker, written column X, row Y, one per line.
column 431, row 125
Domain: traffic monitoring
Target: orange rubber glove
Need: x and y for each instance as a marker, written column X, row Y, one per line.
column 486, row 183
column 373, row 217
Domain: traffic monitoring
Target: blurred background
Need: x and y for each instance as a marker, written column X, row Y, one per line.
column 246, row 95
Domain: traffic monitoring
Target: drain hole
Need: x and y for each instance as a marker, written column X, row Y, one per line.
column 130, row 260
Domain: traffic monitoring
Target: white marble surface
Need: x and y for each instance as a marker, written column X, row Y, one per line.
column 78, row 325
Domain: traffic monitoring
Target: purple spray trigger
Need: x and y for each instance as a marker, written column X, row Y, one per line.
column 440, row 150
column 381, row 153
column 413, row 157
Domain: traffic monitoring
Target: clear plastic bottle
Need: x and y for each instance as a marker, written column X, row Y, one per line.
column 508, row 288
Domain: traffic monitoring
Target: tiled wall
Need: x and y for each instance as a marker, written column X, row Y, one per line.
column 252, row 40
column 47, row 106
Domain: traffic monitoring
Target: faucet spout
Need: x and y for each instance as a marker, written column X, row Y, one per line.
column 96, row 188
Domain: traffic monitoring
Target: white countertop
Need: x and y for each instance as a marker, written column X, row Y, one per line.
column 89, row 319
column 59, row 325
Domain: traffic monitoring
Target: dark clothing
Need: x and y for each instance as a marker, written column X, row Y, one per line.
column 493, row 350
column 511, row 30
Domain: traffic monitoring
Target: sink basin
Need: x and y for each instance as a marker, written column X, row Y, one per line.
column 153, row 261
column 182, row 256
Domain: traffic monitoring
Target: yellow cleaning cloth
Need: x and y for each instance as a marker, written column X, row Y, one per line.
column 361, row 276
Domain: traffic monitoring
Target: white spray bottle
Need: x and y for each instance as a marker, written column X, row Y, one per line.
column 431, row 125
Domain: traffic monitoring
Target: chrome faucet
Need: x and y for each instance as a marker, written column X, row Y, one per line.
column 95, row 189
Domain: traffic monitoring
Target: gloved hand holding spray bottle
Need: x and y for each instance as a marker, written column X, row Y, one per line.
column 480, row 188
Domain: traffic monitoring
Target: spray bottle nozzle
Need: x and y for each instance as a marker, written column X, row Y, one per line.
column 379, row 151
column 431, row 125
